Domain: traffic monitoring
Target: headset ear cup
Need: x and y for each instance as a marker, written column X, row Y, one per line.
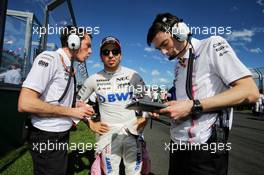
column 180, row 31
column 74, row 41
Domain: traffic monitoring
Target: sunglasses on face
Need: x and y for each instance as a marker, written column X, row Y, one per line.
column 115, row 52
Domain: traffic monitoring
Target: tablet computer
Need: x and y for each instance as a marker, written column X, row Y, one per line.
column 148, row 106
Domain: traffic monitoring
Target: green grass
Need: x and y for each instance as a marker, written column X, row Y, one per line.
column 245, row 111
column 79, row 160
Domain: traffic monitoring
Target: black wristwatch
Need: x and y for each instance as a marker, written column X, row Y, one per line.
column 197, row 107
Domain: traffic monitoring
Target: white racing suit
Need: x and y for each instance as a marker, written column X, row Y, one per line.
column 114, row 91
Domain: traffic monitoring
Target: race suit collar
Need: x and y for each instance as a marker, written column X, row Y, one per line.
column 114, row 72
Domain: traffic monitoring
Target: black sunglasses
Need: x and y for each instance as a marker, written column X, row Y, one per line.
column 115, row 52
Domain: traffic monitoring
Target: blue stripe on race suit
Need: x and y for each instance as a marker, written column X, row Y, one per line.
column 108, row 165
column 139, row 155
column 138, row 162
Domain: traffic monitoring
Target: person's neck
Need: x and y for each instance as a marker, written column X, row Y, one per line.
column 107, row 69
column 185, row 49
column 68, row 52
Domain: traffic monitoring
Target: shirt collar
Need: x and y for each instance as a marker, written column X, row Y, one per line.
column 64, row 55
column 112, row 73
column 196, row 44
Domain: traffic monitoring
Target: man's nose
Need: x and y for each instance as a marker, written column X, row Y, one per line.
column 164, row 51
column 90, row 51
column 111, row 54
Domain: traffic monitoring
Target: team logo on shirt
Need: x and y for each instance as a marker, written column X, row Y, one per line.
column 47, row 56
column 122, row 78
column 43, row 63
column 221, row 48
column 115, row 97
column 218, row 44
column 122, row 85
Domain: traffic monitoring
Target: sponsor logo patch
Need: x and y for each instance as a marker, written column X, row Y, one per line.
column 43, row 63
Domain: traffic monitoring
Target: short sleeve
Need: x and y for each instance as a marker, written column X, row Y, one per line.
column 225, row 62
column 42, row 72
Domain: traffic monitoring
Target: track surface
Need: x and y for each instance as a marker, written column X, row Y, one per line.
column 246, row 137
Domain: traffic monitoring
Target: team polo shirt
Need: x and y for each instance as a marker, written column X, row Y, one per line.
column 49, row 78
column 215, row 67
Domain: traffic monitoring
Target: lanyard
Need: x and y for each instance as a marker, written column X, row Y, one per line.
column 71, row 72
column 189, row 75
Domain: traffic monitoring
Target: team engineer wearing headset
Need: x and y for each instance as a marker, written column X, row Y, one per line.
column 201, row 113
column 51, row 112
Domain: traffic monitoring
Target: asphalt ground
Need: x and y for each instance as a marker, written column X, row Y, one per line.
column 246, row 138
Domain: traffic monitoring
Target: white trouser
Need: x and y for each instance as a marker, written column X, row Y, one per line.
column 126, row 146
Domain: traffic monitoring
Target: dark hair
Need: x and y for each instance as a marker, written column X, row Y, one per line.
column 160, row 24
column 67, row 30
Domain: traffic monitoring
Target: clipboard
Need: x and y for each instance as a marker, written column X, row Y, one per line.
column 148, row 106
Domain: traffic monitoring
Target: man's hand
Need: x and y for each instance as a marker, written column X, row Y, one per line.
column 82, row 111
column 153, row 114
column 178, row 109
column 98, row 127
column 140, row 123
column 80, row 103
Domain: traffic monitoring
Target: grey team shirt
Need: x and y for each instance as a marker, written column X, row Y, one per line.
column 215, row 67
column 49, row 78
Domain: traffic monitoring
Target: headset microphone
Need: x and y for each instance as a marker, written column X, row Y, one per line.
column 175, row 56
